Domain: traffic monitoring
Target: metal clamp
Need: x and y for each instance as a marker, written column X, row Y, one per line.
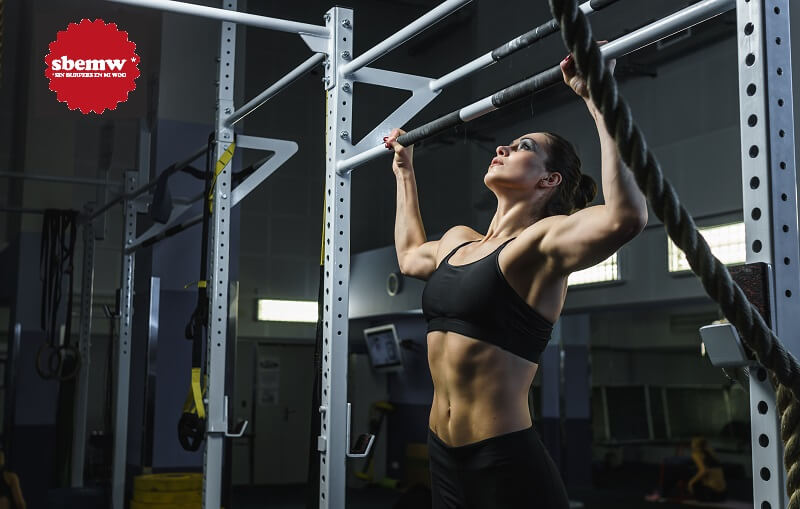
column 370, row 437
column 724, row 346
column 222, row 427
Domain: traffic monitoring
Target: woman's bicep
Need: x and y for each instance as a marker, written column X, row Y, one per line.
column 587, row 237
column 419, row 262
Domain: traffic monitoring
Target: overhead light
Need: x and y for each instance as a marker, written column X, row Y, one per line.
column 607, row 270
column 270, row 310
column 726, row 241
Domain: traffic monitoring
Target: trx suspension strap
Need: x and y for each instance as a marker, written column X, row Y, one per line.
column 192, row 423
column 55, row 360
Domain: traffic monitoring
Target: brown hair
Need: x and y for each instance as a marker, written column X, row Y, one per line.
column 577, row 189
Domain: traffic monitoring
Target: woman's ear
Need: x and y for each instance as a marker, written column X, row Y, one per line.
column 554, row 179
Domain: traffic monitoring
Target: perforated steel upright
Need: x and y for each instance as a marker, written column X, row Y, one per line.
column 770, row 211
column 122, row 350
column 218, row 265
column 338, row 129
column 84, row 346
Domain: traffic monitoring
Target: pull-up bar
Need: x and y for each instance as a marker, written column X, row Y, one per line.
column 426, row 20
column 243, row 18
column 279, row 85
column 511, row 47
column 133, row 194
column 84, row 181
column 681, row 20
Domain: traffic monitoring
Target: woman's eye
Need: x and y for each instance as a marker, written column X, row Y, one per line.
column 525, row 144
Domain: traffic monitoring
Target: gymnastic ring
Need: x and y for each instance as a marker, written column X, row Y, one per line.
column 63, row 352
column 45, row 375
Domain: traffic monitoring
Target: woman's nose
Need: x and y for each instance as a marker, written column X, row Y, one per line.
column 502, row 150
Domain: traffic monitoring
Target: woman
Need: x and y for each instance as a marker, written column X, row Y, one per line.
column 10, row 491
column 708, row 485
column 491, row 301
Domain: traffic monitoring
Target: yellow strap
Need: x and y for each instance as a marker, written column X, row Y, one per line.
column 200, row 284
column 197, row 394
column 221, row 164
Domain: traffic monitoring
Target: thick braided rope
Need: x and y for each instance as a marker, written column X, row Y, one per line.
column 713, row 274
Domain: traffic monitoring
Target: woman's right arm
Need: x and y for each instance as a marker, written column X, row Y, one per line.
column 415, row 256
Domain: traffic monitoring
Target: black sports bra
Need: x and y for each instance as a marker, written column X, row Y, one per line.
column 476, row 300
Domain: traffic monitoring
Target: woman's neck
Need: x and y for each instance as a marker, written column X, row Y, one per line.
column 511, row 219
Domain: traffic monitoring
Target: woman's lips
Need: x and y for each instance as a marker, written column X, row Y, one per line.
column 496, row 161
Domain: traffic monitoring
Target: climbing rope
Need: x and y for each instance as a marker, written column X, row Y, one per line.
column 713, row 274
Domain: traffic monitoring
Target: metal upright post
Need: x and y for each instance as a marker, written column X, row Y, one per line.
column 218, row 283
column 770, row 202
column 122, row 350
column 333, row 450
column 84, row 347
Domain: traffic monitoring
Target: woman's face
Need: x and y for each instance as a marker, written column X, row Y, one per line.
column 520, row 164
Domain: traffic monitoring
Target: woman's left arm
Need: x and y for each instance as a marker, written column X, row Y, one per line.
column 623, row 198
column 591, row 235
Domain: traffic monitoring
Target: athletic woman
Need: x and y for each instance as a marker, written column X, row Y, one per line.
column 10, row 491
column 491, row 301
column 708, row 485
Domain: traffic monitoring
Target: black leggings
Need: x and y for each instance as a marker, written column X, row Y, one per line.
column 509, row 471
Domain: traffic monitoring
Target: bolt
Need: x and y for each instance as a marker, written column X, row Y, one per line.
column 346, row 55
column 327, row 16
column 130, row 241
column 346, row 23
column 224, row 196
column 344, row 135
column 346, row 87
column 217, row 59
column 327, row 65
column 227, row 111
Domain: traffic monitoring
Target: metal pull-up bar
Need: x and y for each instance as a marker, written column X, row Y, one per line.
column 521, row 42
column 279, row 85
column 83, row 181
column 681, row 20
column 398, row 38
column 133, row 194
column 244, row 18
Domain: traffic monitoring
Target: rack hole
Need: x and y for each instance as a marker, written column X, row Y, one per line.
column 757, row 246
column 750, row 59
column 754, row 183
column 754, row 151
column 756, row 214
column 752, row 120
column 751, row 89
column 763, row 440
column 748, row 29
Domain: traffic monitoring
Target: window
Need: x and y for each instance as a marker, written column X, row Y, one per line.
column 727, row 242
column 286, row 311
column 607, row 270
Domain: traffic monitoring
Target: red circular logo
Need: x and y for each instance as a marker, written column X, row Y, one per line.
column 92, row 66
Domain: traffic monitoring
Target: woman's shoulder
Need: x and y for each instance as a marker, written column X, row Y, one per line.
column 458, row 235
